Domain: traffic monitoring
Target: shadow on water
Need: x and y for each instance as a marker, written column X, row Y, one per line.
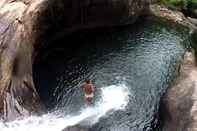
column 144, row 56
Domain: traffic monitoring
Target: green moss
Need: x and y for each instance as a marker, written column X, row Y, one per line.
column 181, row 4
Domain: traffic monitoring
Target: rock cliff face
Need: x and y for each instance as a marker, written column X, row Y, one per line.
column 173, row 15
column 25, row 25
column 179, row 105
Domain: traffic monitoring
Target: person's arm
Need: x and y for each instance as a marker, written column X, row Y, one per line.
column 93, row 88
column 82, row 85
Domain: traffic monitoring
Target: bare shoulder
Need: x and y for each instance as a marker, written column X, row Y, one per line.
column 82, row 85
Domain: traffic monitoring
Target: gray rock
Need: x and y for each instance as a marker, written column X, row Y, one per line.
column 179, row 105
column 76, row 128
column 192, row 20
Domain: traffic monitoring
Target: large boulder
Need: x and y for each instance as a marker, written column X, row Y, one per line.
column 178, row 107
column 173, row 15
column 26, row 25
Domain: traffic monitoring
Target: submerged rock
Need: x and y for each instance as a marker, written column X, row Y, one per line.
column 179, row 105
column 26, row 25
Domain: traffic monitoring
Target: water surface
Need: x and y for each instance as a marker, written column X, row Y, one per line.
column 143, row 57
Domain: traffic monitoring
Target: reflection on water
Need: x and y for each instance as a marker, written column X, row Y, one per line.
column 143, row 56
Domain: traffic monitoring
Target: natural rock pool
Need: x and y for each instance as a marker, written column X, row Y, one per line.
column 133, row 65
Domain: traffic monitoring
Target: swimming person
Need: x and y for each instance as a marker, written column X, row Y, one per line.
column 88, row 89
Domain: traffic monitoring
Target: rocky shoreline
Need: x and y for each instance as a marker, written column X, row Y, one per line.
column 178, row 106
column 173, row 15
column 27, row 24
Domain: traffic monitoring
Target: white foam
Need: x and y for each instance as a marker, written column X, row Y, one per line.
column 114, row 97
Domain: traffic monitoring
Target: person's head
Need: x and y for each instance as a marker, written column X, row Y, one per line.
column 87, row 81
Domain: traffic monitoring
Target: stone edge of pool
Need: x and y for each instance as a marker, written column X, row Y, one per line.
column 23, row 29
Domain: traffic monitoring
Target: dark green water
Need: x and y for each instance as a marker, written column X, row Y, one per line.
column 143, row 55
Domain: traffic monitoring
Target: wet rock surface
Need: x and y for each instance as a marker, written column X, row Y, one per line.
column 179, row 105
column 76, row 128
column 173, row 15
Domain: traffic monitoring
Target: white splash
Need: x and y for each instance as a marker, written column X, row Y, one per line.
column 114, row 97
